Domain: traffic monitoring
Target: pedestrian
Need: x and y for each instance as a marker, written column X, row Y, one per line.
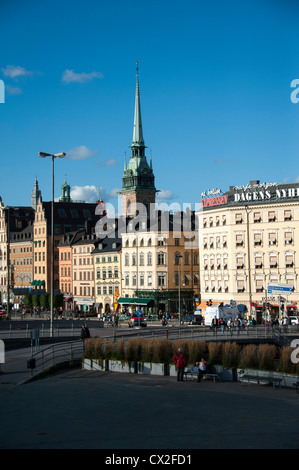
column 222, row 325
column 202, row 369
column 230, row 326
column 214, row 325
column 84, row 334
column 180, row 362
column 237, row 324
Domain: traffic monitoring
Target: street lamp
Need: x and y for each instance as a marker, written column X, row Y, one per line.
column 53, row 156
column 178, row 256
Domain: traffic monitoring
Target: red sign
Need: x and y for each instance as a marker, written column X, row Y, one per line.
column 214, row 201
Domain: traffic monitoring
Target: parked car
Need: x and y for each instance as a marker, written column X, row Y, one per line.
column 136, row 320
column 294, row 320
column 3, row 313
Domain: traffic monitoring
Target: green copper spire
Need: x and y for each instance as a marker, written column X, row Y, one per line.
column 138, row 174
column 137, row 131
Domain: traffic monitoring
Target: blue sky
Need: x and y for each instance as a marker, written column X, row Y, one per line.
column 215, row 82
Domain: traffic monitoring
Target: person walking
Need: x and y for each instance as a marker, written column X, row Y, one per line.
column 214, row 325
column 180, row 362
column 222, row 325
column 237, row 325
column 84, row 334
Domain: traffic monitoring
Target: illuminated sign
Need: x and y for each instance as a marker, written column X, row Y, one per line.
column 214, row 201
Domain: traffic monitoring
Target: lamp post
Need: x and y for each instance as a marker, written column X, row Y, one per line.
column 178, row 256
column 53, row 156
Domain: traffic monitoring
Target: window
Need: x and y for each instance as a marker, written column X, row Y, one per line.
column 240, row 285
column 288, row 238
column 238, row 218
column 161, row 259
column 257, row 239
column 239, row 240
column 271, row 216
column 99, row 290
column 161, row 279
column 289, row 260
column 74, row 213
column 86, row 213
column 259, row 285
column 273, row 261
column 287, row 215
column 141, row 259
column 126, row 259
column 257, row 217
column 272, row 238
column 61, row 212
column 149, row 259
column 258, row 262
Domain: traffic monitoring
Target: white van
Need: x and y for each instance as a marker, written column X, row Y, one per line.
column 220, row 312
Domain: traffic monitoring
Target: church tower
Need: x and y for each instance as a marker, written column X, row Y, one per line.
column 138, row 182
column 36, row 195
column 65, row 193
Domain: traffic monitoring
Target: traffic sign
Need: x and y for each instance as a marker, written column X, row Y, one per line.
column 139, row 313
column 274, row 288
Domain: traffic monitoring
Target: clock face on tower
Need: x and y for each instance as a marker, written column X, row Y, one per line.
column 145, row 171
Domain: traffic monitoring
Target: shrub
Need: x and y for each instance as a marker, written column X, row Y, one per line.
column 248, row 356
column 148, row 351
column 285, row 363
column 162, row 350
column 230, row 355
column 134, row 350
column 120, row 354
column 214, row 353
column 197, row 350
column 266, row 355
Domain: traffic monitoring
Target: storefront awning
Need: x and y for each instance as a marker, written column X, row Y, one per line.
column 134, row 300
column 38, row 283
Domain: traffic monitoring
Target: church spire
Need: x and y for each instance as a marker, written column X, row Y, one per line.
column 137, row 129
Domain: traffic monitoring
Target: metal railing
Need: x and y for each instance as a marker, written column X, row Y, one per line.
column 57, row 354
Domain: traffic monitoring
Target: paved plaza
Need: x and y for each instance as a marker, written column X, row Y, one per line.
column 78, row 409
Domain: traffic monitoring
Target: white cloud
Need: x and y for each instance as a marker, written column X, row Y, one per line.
column 114, row 192
column 69, row 76
column 15, row 71
column 12, row 90
column 110, row 162
column 80, row 153
column 85, row 193
column 165, row 194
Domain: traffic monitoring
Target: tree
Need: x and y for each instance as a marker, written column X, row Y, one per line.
column 28, row 300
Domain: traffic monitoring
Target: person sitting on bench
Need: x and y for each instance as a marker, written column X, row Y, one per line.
column 202, row 369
